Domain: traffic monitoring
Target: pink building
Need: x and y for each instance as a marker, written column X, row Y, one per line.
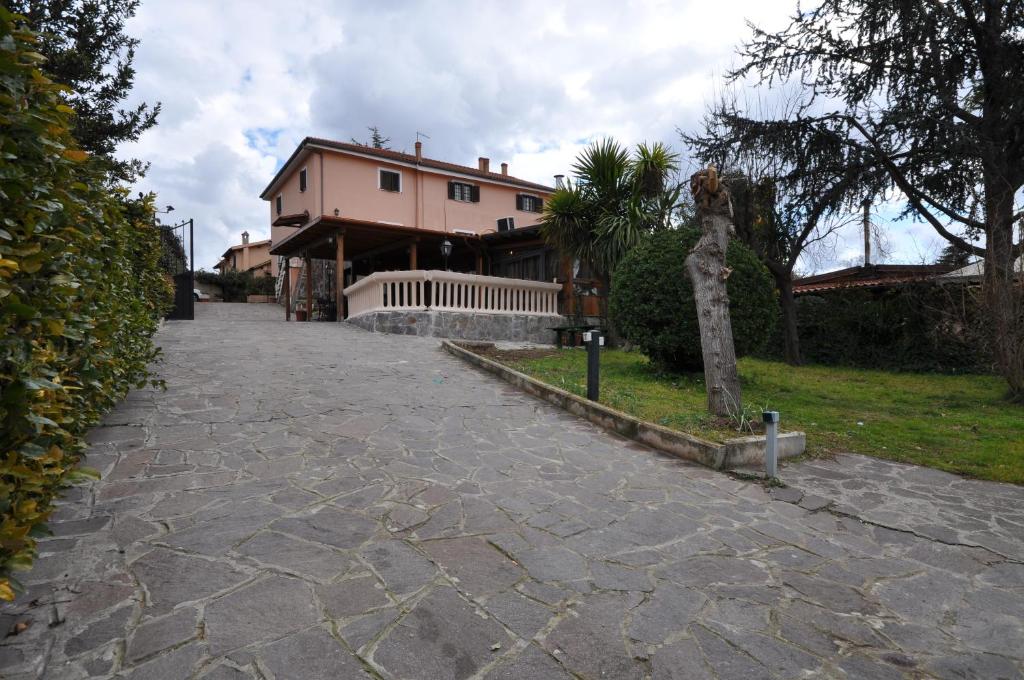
column 406, row 231
column 350, row 181
column 248, row 257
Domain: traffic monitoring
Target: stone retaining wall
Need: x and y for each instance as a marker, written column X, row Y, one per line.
column 734, row 453
column 463, row 325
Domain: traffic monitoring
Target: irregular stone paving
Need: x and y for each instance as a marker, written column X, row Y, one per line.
column 929, row 503
column 311, row 501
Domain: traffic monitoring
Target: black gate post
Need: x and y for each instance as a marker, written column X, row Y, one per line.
column 181, row 267
column 191, row 271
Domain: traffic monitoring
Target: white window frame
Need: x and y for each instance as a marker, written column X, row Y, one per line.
column 401, row 181
column 540, row 202
column 465, row 189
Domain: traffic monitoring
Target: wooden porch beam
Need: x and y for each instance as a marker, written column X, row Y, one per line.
column 413, row 256
column 569, row 287
column 339, row 268
column 309, row 287
column 287, row 289
column 386, row 248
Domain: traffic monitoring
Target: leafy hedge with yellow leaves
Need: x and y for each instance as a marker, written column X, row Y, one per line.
column 81, row 294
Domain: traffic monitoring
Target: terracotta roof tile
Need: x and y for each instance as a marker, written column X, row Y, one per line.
column 871, row 276
column 402, row 157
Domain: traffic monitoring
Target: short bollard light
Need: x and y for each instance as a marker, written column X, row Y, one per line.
column 771, row 436
column 594, row 341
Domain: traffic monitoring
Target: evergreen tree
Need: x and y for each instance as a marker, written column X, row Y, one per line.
column 927, row 94
column 377, row 139
column 87, row 49
column 953, row 257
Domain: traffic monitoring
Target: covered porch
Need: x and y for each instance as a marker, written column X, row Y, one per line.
column 412, row 281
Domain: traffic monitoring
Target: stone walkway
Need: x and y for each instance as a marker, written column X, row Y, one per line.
column 310, row 501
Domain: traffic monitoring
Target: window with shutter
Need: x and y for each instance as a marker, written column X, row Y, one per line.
column 460, row 191
column 302, row 179
column 528, row 203
column 389, row 180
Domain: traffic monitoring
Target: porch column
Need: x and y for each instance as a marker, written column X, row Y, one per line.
column 309, row 287
column 287, row 289
column 339, row 267
column 479, row 263
column 412, row 256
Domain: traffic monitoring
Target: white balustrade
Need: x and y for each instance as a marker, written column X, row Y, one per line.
column 450, row 292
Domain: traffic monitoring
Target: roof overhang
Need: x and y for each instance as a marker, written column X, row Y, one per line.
column 530, row 233
column 314, row 239
column 265, row 263
column 311, row 144
column 243, row 246
column 293, row 220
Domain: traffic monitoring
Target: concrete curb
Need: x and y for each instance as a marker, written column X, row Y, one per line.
column 739, row 452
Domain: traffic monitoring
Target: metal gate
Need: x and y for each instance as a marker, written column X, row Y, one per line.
column 176, row 258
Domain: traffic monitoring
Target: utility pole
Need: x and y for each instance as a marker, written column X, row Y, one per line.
column 867, row 232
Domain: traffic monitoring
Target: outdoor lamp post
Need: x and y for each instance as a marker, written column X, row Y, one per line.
column 446, row 251
column 771, row 451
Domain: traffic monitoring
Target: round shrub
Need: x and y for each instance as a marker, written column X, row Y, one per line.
column 652, row 300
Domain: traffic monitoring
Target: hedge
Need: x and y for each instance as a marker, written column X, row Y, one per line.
column 652, row 302
column 81, row 295
column 237, row 286
column 912, row 327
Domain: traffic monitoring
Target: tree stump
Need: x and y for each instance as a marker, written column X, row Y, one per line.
column 706, row 268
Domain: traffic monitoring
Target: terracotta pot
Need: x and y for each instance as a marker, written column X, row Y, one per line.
column 300, row 314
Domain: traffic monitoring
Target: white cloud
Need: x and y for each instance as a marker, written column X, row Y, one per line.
column 241, row 83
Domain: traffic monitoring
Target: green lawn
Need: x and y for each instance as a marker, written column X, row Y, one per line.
column 956, row 423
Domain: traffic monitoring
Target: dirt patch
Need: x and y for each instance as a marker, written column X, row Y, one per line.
column 728, row 424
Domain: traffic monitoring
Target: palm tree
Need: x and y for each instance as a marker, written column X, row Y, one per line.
column 615, row 201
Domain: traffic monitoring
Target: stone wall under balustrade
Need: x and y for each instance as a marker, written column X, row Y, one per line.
column 463, row 325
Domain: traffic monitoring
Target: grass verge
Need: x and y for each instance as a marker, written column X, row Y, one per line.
column 956, row 423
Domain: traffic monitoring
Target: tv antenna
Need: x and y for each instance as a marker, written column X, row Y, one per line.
column 419, row 134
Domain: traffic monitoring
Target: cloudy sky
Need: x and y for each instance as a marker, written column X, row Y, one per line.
column 530, row 83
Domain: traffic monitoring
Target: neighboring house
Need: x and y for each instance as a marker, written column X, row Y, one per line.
column 869, row 276
column 975, row 271
column 374, row 212
column 251, row 257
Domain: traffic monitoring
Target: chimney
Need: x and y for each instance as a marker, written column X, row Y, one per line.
column 245, row 238
column 419, row 150
column 484, row 164
column 504, row 168
column 559, row 181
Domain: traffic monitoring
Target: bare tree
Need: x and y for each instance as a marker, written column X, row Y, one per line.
column 706, row 268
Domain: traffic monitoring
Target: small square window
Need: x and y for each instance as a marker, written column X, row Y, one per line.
column 278, row 204
column 302, row 179
column 389, row 180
